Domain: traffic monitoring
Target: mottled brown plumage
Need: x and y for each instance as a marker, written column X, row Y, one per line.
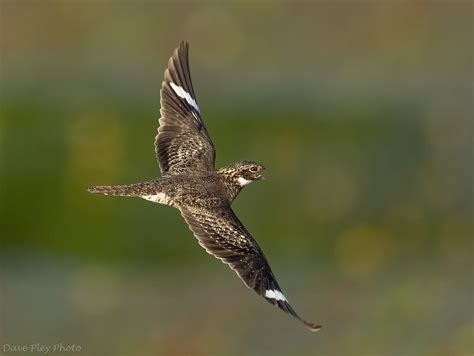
column 203, row 195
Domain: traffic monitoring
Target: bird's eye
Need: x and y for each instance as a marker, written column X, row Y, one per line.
column 253, row 169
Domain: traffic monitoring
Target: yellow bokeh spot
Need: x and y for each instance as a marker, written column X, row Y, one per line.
column 455, row 241
column 362, row 251
column 95, row 146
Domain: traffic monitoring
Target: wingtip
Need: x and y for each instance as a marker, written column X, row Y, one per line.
column 179, row 52
column 183, row 45
column 312, row 326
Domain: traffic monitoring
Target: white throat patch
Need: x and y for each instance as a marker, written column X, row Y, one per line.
column 243, row 182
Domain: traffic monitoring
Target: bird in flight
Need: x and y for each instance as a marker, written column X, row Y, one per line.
column 202, row 194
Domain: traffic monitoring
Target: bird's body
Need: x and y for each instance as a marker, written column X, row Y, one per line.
column 205, row 190
column 202, row 194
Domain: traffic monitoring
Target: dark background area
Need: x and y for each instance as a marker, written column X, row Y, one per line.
column 362, row 114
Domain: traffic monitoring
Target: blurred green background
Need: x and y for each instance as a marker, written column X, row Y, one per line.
column 362, row 114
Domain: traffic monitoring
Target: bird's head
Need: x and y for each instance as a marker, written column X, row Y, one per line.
column 243, row 172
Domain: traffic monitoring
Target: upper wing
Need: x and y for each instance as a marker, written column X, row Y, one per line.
column 182, row 143
column 223, row 236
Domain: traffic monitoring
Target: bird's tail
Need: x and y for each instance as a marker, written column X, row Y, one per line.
column 130, row 190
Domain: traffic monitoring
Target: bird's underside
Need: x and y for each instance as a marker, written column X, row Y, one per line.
column 203, row 195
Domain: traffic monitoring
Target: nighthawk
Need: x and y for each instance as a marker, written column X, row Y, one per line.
column 202, row 194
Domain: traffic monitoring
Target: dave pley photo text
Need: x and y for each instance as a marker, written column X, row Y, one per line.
column 40, row 348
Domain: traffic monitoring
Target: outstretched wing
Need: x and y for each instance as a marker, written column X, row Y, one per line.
column 182, row 144
column 223, row 236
